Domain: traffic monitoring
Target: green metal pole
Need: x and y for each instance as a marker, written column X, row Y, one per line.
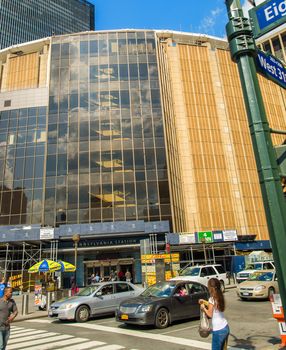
column 243, row 50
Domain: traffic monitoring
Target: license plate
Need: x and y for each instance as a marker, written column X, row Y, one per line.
column 50, row 313
column 124, row 317
column 245, row 293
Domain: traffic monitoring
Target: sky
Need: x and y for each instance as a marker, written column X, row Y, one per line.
column 196, row 16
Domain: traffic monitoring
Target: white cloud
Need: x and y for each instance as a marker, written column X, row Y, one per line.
column 208, row 23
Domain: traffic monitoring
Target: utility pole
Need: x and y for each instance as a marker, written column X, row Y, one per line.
column 243, row 51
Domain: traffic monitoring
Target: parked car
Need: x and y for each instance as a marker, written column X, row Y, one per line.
column 97, row 299
column 202, row 274
column 257, row 266
column 163, row 303
column 260, row 285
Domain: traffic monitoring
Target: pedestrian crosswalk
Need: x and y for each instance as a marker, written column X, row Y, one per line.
column 35, row 339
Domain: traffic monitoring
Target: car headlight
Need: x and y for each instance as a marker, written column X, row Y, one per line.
column 66, row 306
column 258, row 288
column 146, row 308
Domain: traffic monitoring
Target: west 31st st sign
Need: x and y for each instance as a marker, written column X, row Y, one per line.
column 271, row 67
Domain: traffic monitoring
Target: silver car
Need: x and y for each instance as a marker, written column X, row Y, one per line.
column 98, row 299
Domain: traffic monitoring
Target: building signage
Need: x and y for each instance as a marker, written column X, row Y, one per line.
column 107, row 242
column 150, row 258
column 187, row 238
column 217, row 236
column 267, row 16
column 271, row 67
column 47, row 233
column 205, row 236
column 229, row 235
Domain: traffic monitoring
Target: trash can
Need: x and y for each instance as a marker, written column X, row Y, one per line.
column 25, row 303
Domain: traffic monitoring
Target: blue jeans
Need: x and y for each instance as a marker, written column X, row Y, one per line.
column 4, row 336
column 219, row 338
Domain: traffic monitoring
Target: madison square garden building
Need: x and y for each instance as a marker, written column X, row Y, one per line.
column 116, row 135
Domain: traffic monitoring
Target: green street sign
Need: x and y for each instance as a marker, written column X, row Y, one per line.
column 205, row 237
column 267, row 16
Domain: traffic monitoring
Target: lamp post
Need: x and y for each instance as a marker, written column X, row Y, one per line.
column 243, row 51
column 76, row 239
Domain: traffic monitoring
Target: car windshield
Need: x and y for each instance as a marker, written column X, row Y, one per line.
column 268, row 276
column 87, row 291
column 249, row 267
column 159, row 290
column 190, row 271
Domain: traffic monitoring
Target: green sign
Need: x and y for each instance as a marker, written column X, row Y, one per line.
column 205, row 236
column 267, row 16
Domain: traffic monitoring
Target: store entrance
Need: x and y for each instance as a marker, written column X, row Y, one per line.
column 109, row 269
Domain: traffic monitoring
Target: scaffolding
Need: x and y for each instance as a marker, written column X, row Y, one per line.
column 17, row 257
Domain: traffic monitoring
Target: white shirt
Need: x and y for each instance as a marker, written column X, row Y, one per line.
column 218, row 319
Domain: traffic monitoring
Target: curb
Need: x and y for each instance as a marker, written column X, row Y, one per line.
column 27, row 317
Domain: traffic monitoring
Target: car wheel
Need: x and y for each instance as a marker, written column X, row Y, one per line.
column 271, row 291
column 162, row 318
column 222, row 286
column 82, row 314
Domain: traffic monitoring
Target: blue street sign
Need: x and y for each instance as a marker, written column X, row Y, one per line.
column 270, row 12
column 271, row 67
column 266, row 16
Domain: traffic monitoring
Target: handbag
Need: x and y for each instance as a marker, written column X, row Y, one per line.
column 204, row 327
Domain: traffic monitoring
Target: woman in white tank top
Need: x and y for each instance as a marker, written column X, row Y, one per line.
column 214, row 309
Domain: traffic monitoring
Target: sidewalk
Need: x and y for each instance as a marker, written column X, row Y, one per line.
column 33, row 311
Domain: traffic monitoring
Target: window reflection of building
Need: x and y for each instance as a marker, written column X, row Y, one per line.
column 115, row 153
column 22, row 164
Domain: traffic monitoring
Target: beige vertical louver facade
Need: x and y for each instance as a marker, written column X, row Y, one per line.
column 213, row 177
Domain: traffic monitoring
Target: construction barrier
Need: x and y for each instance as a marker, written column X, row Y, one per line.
column 278, row 314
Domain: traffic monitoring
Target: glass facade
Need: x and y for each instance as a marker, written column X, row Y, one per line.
column 27, row 20
column 22, row 158
column 106, row 156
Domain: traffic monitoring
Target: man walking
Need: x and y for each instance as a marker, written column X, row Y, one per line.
column 8, row 311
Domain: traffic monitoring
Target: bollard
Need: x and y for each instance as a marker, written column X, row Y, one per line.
column 49, row 297
column 25, row 303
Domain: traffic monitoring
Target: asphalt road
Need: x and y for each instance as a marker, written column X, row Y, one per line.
column 251, row 324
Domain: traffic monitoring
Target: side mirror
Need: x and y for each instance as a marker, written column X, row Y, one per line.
column 98, row 294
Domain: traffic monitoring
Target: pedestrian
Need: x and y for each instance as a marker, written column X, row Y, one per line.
column 214, row 309
column 8, row 311
column 74, row 288
column 92, row 279
column 97, row 278
column 2, row 288
column 128, row 276
column 120, row 275
column 112, row 276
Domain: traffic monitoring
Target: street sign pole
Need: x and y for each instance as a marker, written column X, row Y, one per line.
column 243, row 50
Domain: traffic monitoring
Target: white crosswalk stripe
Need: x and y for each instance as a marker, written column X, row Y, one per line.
column 35, row 334
column 34, row 339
